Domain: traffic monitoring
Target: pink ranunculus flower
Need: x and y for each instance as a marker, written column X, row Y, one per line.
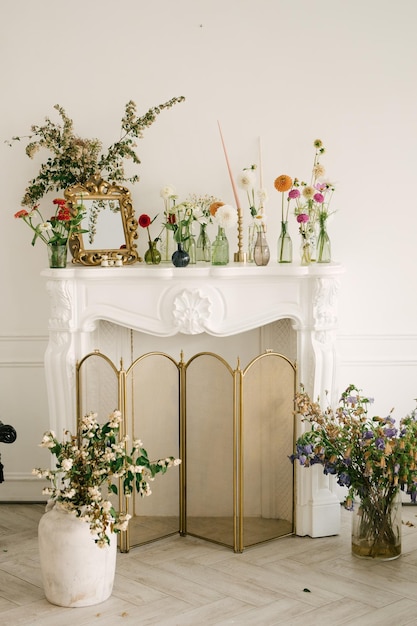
column 294, row 193
column 302, row 218
column 318, row 197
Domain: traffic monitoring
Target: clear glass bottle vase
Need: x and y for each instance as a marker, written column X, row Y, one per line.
column 261, row 252
column 203, row 245
column 324, row 251
column 284, row 245
column 191, row 247
column 220, row 248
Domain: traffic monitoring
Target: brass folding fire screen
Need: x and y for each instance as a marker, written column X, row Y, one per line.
column 232, row 428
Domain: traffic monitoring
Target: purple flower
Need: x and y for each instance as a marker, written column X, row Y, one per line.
column 368, row 434
column 303, row 217
column 318, row 197
column 390, row 432
column 343, row 480
column 308, row 448
column 380, row 443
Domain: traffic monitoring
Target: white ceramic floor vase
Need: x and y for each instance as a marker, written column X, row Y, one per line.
column 75, row 571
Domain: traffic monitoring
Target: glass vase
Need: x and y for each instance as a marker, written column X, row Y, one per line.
column 376, row 525
column 220, row 248
column 152, row 254
column 180, row 257
column 168, row 245
column 306, row 250
column 261, row 252
column 203, row 245
column 191, row 247
column 252, row 236
column 284, row 245
column 324, row 252
column 57, row 255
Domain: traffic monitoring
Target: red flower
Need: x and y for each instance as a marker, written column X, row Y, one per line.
column 144, row 220
column 59, row 201
column 21, row 213
column 63, row 214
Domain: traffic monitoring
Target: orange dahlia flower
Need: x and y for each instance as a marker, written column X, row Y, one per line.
column 214, row 207
column 283, row 183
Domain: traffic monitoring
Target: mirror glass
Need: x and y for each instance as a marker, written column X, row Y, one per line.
column 110, row 223
column 104, row 224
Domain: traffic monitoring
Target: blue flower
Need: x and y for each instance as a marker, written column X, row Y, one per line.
column 390, row 432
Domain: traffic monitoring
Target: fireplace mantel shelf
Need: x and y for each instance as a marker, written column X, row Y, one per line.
column 163, row 301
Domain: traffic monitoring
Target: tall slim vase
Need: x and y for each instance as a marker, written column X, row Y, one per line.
column 284, row 245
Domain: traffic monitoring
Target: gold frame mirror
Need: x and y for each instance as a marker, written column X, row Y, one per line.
column 110, row 225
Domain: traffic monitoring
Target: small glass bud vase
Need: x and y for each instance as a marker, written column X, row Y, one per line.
column 324, row 253
column 191, row 247
column 306, row 250
column 220, row 248
column 261, row 252
column 284, row 245
column 252, row 236
column 203, row 245
column 152, row 254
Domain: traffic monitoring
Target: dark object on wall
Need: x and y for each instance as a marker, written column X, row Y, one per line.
column 7, row 435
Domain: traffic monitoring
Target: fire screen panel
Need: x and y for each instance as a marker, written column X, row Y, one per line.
column 97, row 386
column 210, row 428
column 152, row 415
column 267, row 426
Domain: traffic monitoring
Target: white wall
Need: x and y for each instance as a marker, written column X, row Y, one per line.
column 288, row 71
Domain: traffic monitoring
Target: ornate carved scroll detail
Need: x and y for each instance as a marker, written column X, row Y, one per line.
column 325, row 308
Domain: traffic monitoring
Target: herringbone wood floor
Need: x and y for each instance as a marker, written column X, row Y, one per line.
column 186, row 581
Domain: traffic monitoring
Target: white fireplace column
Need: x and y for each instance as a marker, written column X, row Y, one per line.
column 163, row 301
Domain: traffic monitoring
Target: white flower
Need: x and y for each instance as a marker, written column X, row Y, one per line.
column 319, row 171
column 67, row 464
column 94, row 493
column 308, row 192
column 106, row 506
column 226, row 216
column 137, row 444
column 45, row 226
column 167, row 192
column 247, row 180
column 47, row 440
column 115, row 419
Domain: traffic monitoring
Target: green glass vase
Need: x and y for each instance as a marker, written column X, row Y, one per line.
column 220, row 249
column 152, row 254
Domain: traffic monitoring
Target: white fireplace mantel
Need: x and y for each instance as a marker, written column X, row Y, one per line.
column 220, row 301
